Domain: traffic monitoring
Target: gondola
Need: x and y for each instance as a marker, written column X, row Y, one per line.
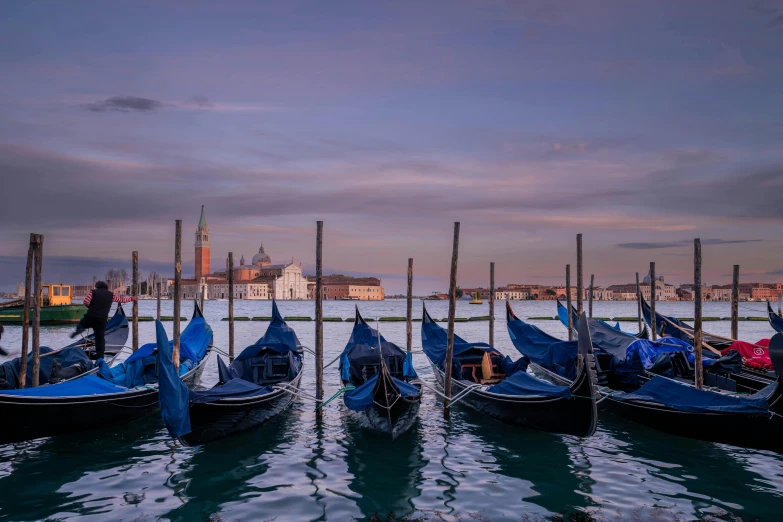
column 673, row 327
column 492, row 384
column 260, row 383
column 383, row 394
column 70, row 362
column 775, row 320
column 754, row 421
column 664, row 403
column 675, row 357
column 111, row 396
column 116, row 335
column 562, row 314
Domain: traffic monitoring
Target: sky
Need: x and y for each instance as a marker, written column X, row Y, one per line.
column 641, row 125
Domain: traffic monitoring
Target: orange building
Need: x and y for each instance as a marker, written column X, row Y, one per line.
column 352, row 288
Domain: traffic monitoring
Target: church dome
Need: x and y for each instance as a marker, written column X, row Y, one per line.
column 261, row 259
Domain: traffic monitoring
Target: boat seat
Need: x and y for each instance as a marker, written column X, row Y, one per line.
column 681, row 365
column 490, row 370
column 273, row 368
column 469, row 372
column 721, row 382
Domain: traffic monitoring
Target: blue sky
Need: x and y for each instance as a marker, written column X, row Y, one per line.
column 639, row 124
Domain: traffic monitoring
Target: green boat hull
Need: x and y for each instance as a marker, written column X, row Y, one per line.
column 65, row 314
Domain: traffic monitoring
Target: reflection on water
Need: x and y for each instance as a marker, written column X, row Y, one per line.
column 297, row 468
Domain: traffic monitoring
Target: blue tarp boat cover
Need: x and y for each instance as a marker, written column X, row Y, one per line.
column 362, row 397
column 563, row 316
column 434, row 340
column 279, row 339
column 686, row 398
column 173, row 394
column 774, row 319
column 522, row 383
column 236, row 388
column 9, row 370
column 87, row 385
column 630, row 355
column 140, row 367
column 543, row 349
column 362, row 351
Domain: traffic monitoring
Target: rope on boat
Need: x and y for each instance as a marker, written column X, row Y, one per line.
column 333, row 360
column 293, row 390
column 461, row 395
column 333, row 397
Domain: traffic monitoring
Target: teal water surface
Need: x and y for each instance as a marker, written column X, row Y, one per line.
column 467, row 468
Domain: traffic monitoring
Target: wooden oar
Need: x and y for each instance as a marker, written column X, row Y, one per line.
column 686, row 332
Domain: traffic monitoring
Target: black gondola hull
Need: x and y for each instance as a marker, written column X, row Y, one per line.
column 747, row 431
column 576, row 415
column 216, row 420
column 393, row 421
column 35, row 417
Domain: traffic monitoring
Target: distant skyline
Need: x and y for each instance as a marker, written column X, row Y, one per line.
column 639, row 124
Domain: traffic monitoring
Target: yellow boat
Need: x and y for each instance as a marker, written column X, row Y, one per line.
column 56, row 307
column 476, row 299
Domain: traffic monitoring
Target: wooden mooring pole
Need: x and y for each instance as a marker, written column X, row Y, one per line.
column 230, row 275
column 590, row 309
column 203, row 294
column 735, row 303
column 568, row 303
column 580, row 288
column 319, row 319
column 492, row 304
column 697, row 333
column 638, row 303
column 177, row 290
column 652, row 301
column 28, row 283
column 409, row 309
column 135, row 329
column 452, row 312
column 157, row 285
column 38, row 296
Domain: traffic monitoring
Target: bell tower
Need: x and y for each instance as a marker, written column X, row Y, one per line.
column 202, row 247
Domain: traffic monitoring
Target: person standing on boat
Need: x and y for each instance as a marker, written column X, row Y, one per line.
column 98, row 304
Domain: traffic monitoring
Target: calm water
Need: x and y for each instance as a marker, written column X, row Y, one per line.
column 465, row 469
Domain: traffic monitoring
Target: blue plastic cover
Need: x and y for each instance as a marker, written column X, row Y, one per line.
column 434, row 340
column 173, row 395
column 87, row 385
column 362, row 350
column 685, row 398
column 362, row 397
column 631, row 354
column 234, row 389
column 774, row 319
column 279, row 337
column 9, row 370
column 562, row 315
column 543, row 349
column 524, row 384
column 193, row 344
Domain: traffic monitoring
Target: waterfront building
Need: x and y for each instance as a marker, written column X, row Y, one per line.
column 338, row 286
column 258, row 280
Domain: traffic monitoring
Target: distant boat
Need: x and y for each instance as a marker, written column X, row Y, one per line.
column 56, row 307
column 476, row 299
